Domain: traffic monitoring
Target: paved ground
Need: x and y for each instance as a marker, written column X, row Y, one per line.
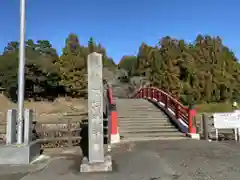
column 152, row 160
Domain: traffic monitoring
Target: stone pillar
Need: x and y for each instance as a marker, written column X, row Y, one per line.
column 97, row 161
column 95, row 108
column 28, row 119
column 11, row 135
column 13, row 153
column 12, row 126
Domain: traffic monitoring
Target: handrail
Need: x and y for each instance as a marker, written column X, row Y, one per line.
column 109, row 94
column 174, row 108
column 113, row 133
column 107, row 98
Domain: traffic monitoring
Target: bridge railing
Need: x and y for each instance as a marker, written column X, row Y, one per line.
column 183, row 116
column 113, row 117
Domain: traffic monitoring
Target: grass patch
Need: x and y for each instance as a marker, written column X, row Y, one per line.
column 214, row 107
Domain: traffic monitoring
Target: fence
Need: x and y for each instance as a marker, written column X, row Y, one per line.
column 55, row 133
column 223, row 134
column 59, row 133
column 65, row 131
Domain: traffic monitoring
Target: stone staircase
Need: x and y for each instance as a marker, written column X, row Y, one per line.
column 140, row 120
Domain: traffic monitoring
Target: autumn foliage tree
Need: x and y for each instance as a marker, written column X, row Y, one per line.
column 200, row 72
column 203, row 71
column 48, row 75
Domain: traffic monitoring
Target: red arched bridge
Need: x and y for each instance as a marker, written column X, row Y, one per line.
column 150, row 113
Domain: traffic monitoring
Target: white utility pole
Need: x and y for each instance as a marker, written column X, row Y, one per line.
column 21, row 78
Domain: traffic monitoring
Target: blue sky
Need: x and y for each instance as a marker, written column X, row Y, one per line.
column 121, row 26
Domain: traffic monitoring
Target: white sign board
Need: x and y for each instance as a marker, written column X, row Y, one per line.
column 226, row 120
column 237, row 111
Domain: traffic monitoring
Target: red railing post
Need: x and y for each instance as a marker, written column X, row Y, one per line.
column 159, row 96
column 113, row 121
column 166, row 101
column 153, row 94
column 141, row 93
column 137, row 95
column 177, row 109
column 109, row 94
column 191, row 116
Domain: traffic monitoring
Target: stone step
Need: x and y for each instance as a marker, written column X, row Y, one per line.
column 142, row 123
column 146, row 130
column 156, row 134
column 141, row 111
column 144, row 103
column 135, row 139
column 131, row 100
column 139, row 119
column 139, row 105
column 133, row 110
column 133, row 116
column 136, row 102
column 141, row 115
column 146, row 119
column 129, row 104
column 137, row 109
column 145, row 125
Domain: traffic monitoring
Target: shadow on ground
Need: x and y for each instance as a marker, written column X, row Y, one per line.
column 15, row 176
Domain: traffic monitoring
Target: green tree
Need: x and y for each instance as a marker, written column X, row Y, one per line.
column 40, row 72
column 203, row 71
column 72, row 67
column 128, row 63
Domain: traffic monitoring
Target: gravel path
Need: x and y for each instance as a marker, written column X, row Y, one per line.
column 155, row 160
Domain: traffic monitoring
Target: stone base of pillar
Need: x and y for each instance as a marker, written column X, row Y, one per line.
column 19, row 154
column 115, row 138
column 109, row 148
column 194, row 136
column 105, row 166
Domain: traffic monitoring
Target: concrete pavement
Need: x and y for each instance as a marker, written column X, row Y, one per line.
column 152, row 160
